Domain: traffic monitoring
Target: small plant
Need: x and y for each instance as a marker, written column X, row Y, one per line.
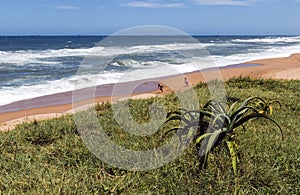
column 217, row 122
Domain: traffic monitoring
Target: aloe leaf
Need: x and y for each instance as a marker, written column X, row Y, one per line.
column 221, row 108
column 240, row 112
column 271, row 110
column 216, row 106
column 200, row 138
column 231, row 108
column 177, row 118
column 203, row 113
column 223, row 120
column 180, row 112
column 274, row 101
column 257, row 115
column 174, row 129
column 212, row 140
column 176, row 113
column 247, row 101
column 232, row 147
column 207, row 104
column 197, row 124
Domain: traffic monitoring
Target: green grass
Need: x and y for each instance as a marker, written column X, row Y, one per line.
column 50, row 157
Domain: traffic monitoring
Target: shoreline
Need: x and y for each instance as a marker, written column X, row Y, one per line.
column 47, row 107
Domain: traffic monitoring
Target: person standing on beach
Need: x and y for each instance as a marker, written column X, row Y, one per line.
column 186, row 82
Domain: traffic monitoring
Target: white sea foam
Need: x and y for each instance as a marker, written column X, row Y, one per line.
column 12, row 94
column 269, row 40
column 25, row 57
column 272, row 52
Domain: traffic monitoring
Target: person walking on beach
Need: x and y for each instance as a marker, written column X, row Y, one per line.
column 186, row 82
column 160, row 87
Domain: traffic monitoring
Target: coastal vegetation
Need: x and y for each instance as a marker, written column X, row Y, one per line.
column 50, row 157
column 216, row 124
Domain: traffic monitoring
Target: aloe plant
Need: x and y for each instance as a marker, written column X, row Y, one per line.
column 217, row 121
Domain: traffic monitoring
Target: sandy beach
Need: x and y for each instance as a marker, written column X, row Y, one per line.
column 48, row 107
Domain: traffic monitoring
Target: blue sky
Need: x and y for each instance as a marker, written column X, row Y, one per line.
column 104, row 17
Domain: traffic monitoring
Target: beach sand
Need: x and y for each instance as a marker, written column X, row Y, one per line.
column 48, row 106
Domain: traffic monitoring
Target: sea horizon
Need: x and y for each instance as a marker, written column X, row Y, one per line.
column 106, row 35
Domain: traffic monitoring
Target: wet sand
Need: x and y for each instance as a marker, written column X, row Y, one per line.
column 56, row 105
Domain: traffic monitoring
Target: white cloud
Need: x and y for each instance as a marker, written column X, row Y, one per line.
column 153, row 5
column 229, row 2
column 188, row 3
column 67, row 7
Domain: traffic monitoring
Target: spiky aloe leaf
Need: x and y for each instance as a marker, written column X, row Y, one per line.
column 269, row 107
column 200, row 138
column 177, row 118
column 174, row 129
column 176, row 113
column 179, row 112
column 256, row 115
column 215, row 106
column 275, row 101
column 232, row 150
column 211, row 142
column 238, row 114
column 197, row 124
column 200, row 113
column 249, row 100
column 220, row 120
column 231, row 108
column 187, row 127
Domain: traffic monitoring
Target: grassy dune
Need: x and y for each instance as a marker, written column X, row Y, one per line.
column 50, row 157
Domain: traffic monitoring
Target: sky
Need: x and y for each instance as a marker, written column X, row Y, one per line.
column 105, row 17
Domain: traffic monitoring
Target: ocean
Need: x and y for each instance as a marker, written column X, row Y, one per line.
column 34, row 66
